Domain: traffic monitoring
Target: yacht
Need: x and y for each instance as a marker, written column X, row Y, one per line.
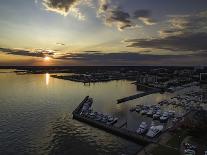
column 150, row 112
column 144, row 111
column 87, row 106
column 132, row 109
column 110, row 118
column 171, row 113
column 157, row 114
column 154, row 130
column 142, row 128
column 138, row 109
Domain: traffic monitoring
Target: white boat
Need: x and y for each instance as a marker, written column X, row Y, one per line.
column 87, row 106
column 154, row 130
column 164, row 117
column 142, row 128
column 110, row 118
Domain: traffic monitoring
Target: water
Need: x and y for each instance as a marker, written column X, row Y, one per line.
column 35, row 115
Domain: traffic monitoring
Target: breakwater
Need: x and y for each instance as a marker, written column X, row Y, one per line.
column 132, row 97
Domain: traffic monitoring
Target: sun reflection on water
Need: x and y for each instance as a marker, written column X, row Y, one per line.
column 47, row 78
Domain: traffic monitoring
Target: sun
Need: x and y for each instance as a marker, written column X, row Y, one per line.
column 46, row 58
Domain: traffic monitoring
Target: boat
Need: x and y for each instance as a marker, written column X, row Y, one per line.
column 171, row 89
column 175, row 120
column 154, row 130
column 113, row 122
column 142, row 128
column 171, row 113
column 104, row 119
column 164, row 117
column 132, row 109
column 138, row 109
column 110, row 118
column 150, row 112
column 157, row 114
column 144, row 111
column 87, row 106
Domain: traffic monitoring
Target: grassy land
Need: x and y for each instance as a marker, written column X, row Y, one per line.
column 162, row 150
column 176, row 140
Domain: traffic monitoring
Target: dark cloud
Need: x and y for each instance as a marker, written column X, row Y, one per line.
column 131, row 58
column 142, row 13
column 115, row 15
column 60, row 5
column 64, row 7
column 118, row 58
column 36, row 53
column 92, row 51
column 184, row 42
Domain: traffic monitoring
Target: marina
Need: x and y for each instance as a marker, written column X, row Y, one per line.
column 109, row 127
column 157, row 121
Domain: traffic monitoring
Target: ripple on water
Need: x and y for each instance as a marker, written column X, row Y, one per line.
column 68, row 136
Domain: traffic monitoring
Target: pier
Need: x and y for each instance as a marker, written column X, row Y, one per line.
column 122, row 132
column 132, row 97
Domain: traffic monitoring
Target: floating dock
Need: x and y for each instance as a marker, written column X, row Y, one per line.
column 124, row 133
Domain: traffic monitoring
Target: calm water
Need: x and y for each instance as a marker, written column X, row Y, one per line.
column 35, row 115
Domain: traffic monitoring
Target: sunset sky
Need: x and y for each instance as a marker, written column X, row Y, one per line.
column 103, row 32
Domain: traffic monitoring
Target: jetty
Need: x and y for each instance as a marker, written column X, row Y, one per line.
column 122, row 132
column 132, row 97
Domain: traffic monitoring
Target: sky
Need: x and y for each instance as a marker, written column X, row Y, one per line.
column 103, row 32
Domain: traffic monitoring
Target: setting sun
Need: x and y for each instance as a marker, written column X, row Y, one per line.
column 46, row 58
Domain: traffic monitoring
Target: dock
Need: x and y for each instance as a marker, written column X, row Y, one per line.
column 122, row 132
column 132, row 97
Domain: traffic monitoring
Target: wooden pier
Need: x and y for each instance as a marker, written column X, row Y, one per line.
column 124, row 133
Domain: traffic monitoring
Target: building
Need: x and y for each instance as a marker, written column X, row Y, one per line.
column 145, row 79
column 203, row 82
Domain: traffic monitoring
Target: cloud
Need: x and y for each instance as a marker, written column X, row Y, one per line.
column 184, row 24
column 147, row 21
column 103, row 6
column 61, row 44
column 111, row 14
column 114, row 15
column 92, row 51
column 144, row 16
column 65, row 7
